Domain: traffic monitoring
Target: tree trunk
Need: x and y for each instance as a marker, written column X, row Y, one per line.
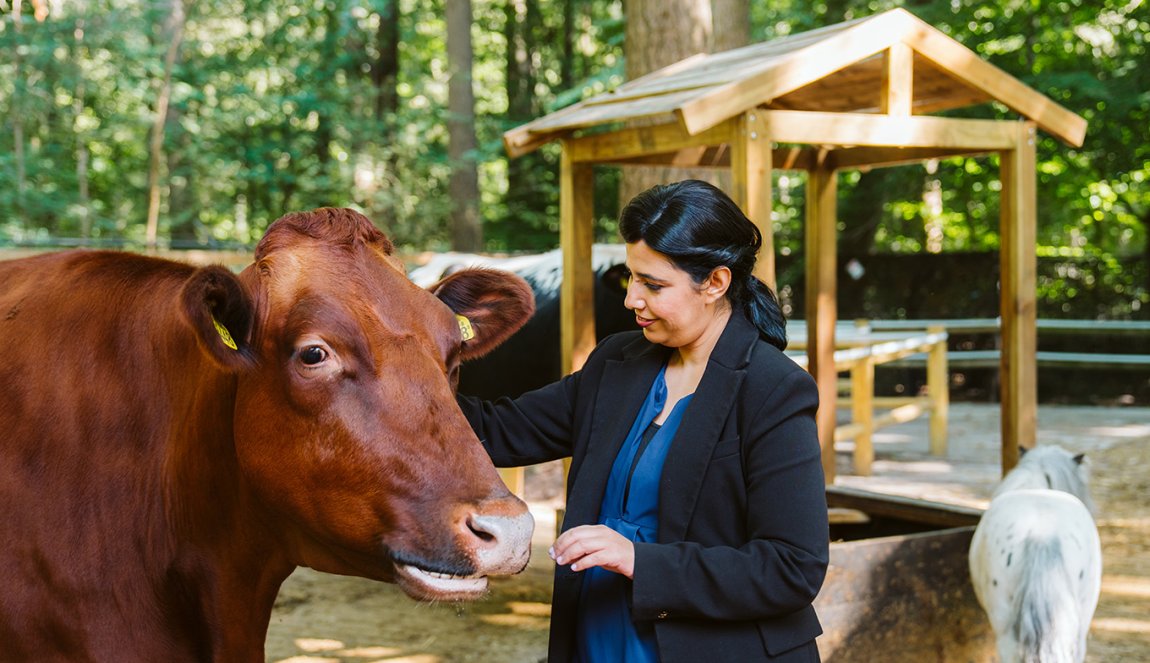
column 526, row 199
column 385, row 71
column 731, row 21
column 17, row 119
column 662, row 32
column 567, row 64
column 380, row 194
column 82, row 154
column 182, row 212
column 173, row 34
column 466, row 234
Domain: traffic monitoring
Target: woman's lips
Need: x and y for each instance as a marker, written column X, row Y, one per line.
column 643, row 322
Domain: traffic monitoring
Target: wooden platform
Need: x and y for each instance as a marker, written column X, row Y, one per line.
column 969, row 471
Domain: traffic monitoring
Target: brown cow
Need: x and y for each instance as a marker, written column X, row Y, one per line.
column 174, row 441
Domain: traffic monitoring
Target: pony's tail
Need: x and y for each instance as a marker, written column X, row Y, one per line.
column 1047, row 625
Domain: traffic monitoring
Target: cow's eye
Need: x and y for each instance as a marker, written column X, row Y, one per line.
column 312, row 355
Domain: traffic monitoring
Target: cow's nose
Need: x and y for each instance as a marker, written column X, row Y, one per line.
column 500, row 535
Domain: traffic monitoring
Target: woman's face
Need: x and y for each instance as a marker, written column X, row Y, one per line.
column 669, row 307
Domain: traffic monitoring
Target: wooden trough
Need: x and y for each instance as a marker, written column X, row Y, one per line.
column 898, row 587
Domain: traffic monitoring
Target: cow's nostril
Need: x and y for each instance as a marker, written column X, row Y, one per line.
column 500, row 542
column 484, row 528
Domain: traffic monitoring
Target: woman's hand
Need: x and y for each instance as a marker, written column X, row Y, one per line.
column 595, row 545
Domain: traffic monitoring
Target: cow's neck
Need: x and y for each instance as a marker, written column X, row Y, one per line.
column 229, row 560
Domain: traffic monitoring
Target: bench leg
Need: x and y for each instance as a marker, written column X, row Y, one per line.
column 937, row 386
column 862, row 414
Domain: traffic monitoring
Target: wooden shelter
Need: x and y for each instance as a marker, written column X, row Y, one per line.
column 853, row 95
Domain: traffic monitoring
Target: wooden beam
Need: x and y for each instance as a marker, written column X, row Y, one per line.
column 881, row 157
column 688, row 157
column 576, row 233
column 966, row 65
column 751, row 184
column 903, row 508
column 897, row 90
column 795, row 158
column 853, row 129
column 821, row 310
column 719, row 156
column 798, row 68
column 634, row 142
column 1018, row 306
column 523, row 140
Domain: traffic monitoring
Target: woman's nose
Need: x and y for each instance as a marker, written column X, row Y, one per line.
column 632, row 300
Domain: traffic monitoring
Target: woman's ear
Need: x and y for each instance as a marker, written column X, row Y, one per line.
column 717, row 284
column 493, row 304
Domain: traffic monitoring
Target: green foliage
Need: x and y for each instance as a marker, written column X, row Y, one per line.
column 274, row 108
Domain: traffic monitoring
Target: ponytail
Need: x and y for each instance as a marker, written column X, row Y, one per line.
column 762, row 309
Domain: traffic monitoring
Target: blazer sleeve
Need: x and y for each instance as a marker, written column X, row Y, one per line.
column 542, row 424
column 781, row 567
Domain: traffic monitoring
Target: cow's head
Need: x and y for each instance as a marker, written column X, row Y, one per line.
column 346, row 425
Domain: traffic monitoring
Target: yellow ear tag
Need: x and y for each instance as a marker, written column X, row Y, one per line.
column 465, row 329
column 225, row 335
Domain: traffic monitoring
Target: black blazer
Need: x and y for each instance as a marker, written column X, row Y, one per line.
column 743, row 536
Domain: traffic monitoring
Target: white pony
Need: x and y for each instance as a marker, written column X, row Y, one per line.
column 1035, row 559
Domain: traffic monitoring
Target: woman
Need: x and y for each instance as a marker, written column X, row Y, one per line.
column 696, row 523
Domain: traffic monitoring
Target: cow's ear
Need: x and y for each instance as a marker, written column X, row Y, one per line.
column 615, row 279
column 494, row 304
column 221, row 312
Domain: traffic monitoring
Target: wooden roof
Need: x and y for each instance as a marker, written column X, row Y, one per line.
column 841, row 68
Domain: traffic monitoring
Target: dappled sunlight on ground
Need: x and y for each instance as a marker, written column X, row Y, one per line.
column 334, row 651
column 1127, row 431
column 334, row 619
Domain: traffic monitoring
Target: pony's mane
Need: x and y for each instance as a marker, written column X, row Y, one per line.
column 1051, row 467
column 337, row 226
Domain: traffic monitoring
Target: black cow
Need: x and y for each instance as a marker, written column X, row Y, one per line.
column 532, row 357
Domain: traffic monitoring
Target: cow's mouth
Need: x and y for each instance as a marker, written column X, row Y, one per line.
column 422, row 582
column 433, row 585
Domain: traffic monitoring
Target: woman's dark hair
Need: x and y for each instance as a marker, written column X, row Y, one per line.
column 699, row 228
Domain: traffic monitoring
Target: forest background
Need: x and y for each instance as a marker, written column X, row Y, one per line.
column 176, row 124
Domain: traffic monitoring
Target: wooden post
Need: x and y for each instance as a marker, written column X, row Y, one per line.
column 577, row 297
column 751, row 171
column 821, row 310
column 862, row 414
column 1018, row 264
column 897, row 91
column 515, row 478
column 576, row 235
column 938, row 389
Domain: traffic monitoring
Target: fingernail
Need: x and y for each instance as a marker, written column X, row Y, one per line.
column 551, row 552
column 558, row 560
column 574, row 567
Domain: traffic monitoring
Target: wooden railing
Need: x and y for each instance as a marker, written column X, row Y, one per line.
column 859, row 349
column 1046, row 327
column 865, row 344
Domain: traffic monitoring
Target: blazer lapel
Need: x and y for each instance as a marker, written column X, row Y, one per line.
column 624, row 386
column 701, row 427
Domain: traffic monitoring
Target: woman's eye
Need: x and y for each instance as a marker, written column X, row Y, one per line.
column 312, row 355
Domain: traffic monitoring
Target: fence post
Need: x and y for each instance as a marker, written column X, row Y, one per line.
column 938, row 390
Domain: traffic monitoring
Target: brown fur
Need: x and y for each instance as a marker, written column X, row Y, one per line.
column 158, row 486
column 470, row 293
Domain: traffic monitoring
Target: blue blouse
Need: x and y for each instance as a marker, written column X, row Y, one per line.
column 630, row 506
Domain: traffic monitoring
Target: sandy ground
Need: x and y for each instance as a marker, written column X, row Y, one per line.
column 334, row 619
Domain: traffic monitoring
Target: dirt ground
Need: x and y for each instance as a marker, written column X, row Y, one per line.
column 334, row 619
